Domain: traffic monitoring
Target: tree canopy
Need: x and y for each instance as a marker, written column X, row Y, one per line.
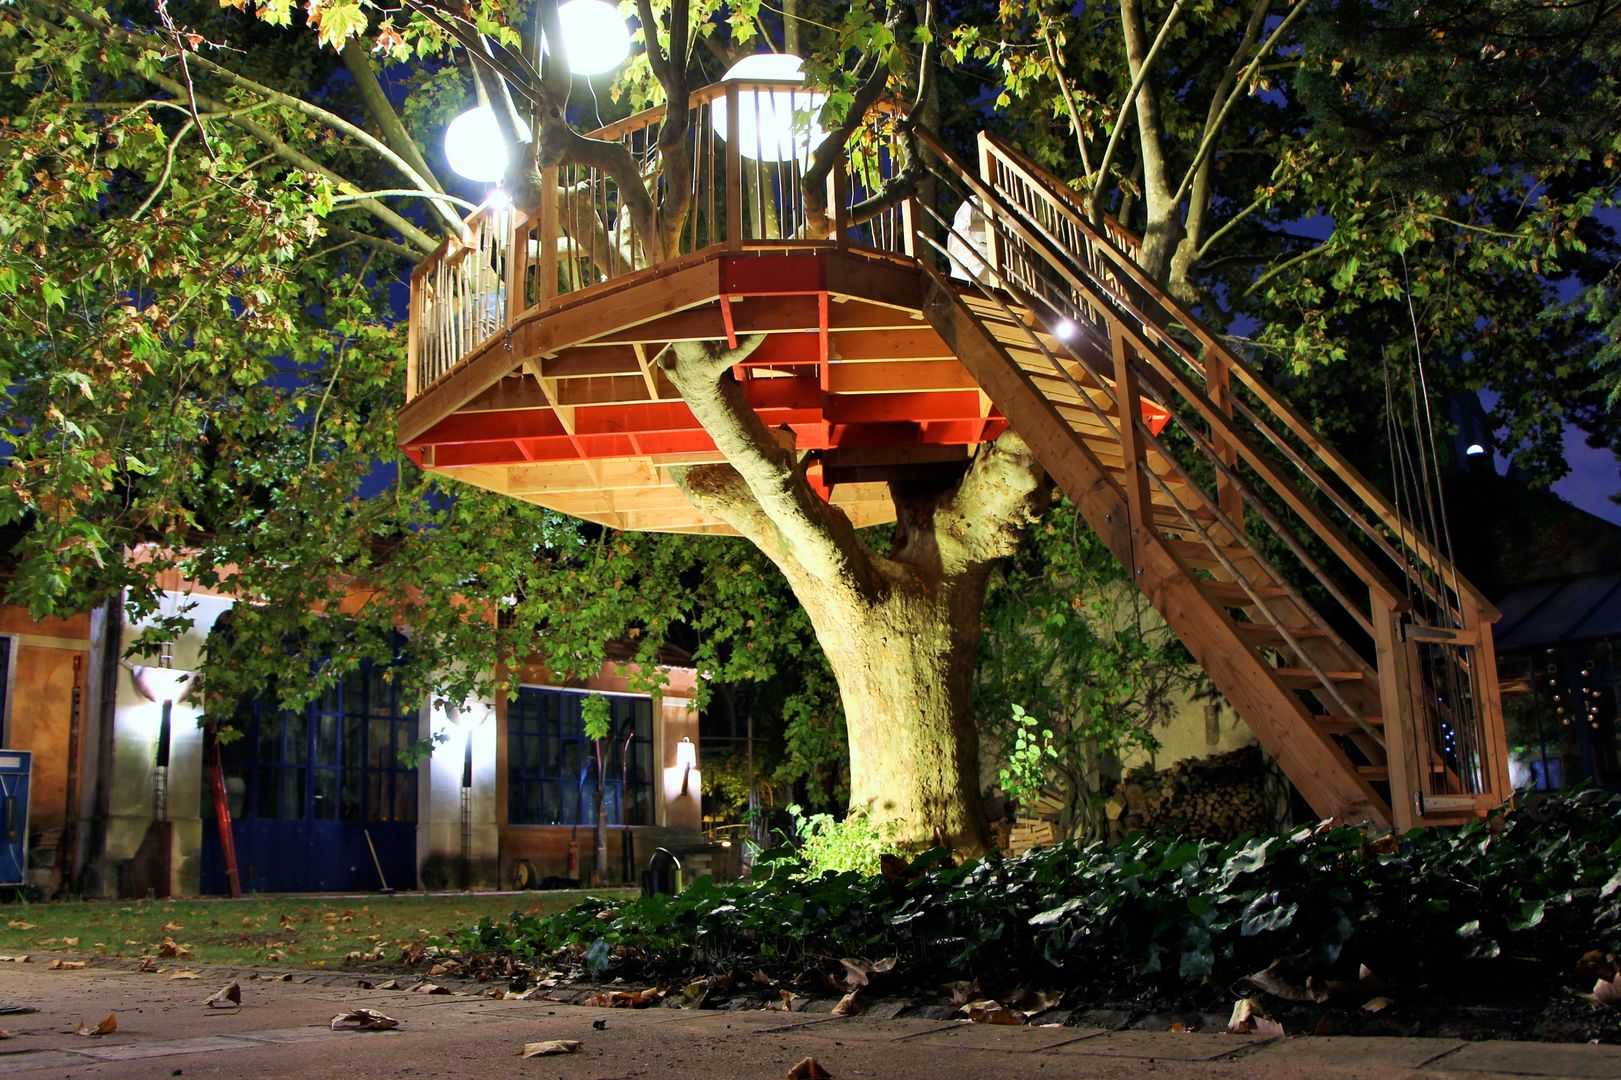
column 213, row 209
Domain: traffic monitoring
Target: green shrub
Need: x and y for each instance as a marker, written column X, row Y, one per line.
column 1542, row 887
column 851, row 846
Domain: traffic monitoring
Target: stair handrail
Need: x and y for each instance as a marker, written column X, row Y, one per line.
column 1069, row 203
column 1326, row 530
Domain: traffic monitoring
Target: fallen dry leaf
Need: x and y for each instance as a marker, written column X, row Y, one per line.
column 70, row 941
column 1034, row 1002
column 987, row 1011
column 363, row 1020
column 627, row 999
column 1376, row 1005
column 962, row 992
column 183, row 974
column 1242, row 1021
column 18, row 924
column 1608, row 992
column 429, row 988
column 106, row 1027
column 809, row 1069
column 549, row 1047
column 64, row 965
column 1596, row 965
column 147, row 965
column 1279, row 980
column 788, row 1001
column 1178, row 1028
column 762, row 979
column 1265, row 1025
column 227, row 997
column 850, row 1004
column 168, row 947
column 168, row 928
column 856, row 973
column 4, row 1034
column 24, row 959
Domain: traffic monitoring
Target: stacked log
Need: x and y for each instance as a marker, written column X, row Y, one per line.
column 1037, row 826
column 1217, row 797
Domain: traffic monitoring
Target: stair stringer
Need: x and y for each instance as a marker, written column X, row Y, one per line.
column 1308, row 756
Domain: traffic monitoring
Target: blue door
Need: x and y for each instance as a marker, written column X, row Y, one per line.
column 307, row 787
column 14, row 773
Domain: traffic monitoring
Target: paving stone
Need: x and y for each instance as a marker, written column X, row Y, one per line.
column 860, row 1029
column 1006, row 1037
column 1161, row 1045
column 1378, row 1054
column 45, row 1059
column 202, row 1044
column 1533, row 1059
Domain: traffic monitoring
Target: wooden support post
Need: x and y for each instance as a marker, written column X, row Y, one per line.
column 734, row 170
column 987, row 173
column 413, row 336
column 1488, row 701
column 838, row 193
column 548, row 234
column 1129, row 403
column 516, row 238
column 1404, row 736
column 1218, row 381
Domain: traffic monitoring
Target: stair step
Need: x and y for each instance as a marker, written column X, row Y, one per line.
column 1374, row 772
column 1267, row 634
column 1304, row 679
column 1232, row 594
column 1197, row 554
column 1344, row 725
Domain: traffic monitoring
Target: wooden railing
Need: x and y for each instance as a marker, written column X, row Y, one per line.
column 583, row 235
column 1260, row 466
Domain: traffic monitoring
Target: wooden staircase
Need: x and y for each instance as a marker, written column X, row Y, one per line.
column 1355, row 652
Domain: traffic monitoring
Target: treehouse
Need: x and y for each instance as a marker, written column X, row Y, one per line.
column 898, row 334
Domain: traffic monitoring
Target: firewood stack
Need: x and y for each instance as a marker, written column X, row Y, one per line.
column 1217, row 797
column 1037, row 826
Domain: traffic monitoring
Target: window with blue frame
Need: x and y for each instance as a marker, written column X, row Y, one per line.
column 551, row 765
column 336, row 759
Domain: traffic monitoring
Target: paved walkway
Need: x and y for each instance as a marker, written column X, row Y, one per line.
column 281, row 1029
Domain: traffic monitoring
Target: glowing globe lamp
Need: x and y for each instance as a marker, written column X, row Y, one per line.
column 474, row 146
column 596, row 38
column 776, row 125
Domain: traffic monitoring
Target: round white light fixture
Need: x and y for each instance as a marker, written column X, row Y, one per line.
column 594, row 34
column 1063, row 330
column 1474, row 449
column 774, row 125
column 475, row 148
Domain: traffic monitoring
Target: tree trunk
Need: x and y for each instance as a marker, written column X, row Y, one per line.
column 905, row 665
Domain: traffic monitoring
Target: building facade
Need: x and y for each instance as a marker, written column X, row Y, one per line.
column 124, row 799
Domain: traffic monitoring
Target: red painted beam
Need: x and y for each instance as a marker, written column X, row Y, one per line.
column 773, row 275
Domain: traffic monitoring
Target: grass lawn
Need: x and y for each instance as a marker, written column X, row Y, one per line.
column 287, row 931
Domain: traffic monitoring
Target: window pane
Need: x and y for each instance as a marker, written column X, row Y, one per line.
column 267, row 792
column 295, row 744
column 378, row 745
column 351, row 806
column 292, row 794
column 325, row 797
column 326, row 740
column 405, row 797
column 354, row 742
column 331, row 699
column 269, row 736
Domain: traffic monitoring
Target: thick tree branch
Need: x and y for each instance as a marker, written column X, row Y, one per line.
column 1069, row 98
column 817, row 536
column 1199, row 200
column 813, row 183
column 985, row 517
column 382, row 111
column 1213, row 130
column 1150, row 128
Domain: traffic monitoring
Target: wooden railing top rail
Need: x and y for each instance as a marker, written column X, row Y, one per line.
column 1109, row 246
column 714, row 91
